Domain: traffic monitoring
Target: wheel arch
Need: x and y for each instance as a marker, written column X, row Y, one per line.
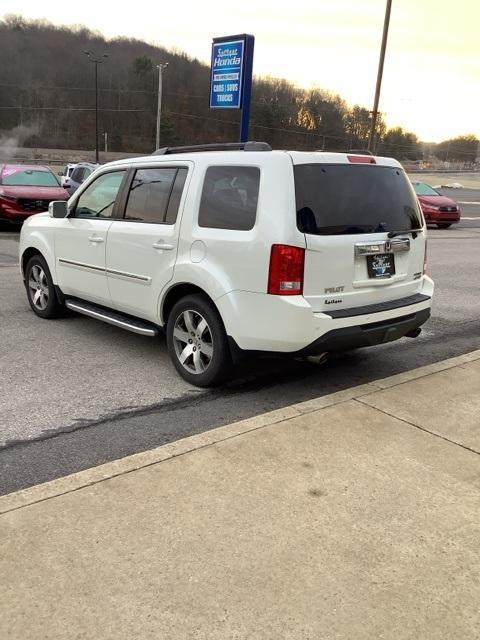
column 176, row 293
column 38, row 242
column 26, row 255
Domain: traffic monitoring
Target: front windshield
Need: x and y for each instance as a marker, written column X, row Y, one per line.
column 422, row 189
column 19, row 177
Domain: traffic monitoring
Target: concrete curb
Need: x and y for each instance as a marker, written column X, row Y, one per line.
column 76, row 481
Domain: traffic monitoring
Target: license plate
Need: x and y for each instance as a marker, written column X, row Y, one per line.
column 381, row 265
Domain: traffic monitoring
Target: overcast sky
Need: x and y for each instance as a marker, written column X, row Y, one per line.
column 432, row 69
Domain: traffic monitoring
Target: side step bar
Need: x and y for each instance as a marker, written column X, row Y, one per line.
column 136, row 325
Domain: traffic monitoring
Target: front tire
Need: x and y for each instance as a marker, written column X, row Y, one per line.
column 444, row 225
column 41, row 292
column 197, row 342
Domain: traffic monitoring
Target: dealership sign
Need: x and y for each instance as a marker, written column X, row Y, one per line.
column 231, row 76
column 228, row 60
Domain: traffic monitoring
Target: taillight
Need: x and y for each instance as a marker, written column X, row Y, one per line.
column 285, row 276
column 425, row 259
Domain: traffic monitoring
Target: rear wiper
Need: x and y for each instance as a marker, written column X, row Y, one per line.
column 392, row 234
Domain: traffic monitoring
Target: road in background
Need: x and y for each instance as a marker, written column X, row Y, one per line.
column 76, row 392
column 468, row 180
column 469, row 202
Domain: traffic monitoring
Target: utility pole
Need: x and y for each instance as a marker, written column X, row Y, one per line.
column 96, row 62
column 160, row 67
column 386, row 24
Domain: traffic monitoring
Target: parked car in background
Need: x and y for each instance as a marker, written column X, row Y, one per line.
column 437, row 209
column 25, row 190
column 66, row 173
column 79, row 174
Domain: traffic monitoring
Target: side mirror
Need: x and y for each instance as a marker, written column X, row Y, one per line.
column 60, row 173
column 58, row 209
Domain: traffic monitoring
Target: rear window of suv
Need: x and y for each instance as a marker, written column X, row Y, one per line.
column 346, row 199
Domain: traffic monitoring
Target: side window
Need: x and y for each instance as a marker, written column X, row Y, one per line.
column 229, row 198
column 155, row 195
column 77, row 175
column 98, row 199
column 175, row 197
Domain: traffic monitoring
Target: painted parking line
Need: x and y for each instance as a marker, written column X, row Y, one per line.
column 468, row 202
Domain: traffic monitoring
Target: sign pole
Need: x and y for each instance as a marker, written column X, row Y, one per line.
column 247, row 88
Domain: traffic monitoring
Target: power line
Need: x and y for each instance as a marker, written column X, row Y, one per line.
column 118, row 90
column 348, row 139
column 73, row 109
column 406, row 147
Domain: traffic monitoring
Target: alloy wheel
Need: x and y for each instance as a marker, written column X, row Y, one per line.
column 38, row 287
column 193, row 341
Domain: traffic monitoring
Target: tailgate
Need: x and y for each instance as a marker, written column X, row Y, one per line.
column 343, row 272
column 351, row 216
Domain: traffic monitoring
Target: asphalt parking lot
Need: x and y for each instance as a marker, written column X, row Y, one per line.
column 76, row 392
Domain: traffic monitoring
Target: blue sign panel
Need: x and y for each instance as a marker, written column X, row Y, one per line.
column 226, row 77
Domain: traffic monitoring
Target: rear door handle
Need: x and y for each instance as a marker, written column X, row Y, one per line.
column 400, row 244
column 162, row 245
column 95, row 239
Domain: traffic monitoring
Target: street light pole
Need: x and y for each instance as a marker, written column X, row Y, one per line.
column 96, row 113
column 96, row 62
column 160, row 68
column 386, row 24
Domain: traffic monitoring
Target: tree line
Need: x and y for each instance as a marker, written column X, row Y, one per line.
column 47, row 89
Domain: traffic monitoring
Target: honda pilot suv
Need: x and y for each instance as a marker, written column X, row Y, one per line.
column 237, row 248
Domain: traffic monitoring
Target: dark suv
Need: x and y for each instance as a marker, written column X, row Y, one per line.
column 79, row 175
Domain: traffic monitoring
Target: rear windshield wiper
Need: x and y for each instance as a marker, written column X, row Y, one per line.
column 414, row 232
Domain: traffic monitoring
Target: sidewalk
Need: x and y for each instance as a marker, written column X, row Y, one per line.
column 353, row 516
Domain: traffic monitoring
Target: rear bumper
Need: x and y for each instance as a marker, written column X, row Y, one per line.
column 287, row 324
column 367, row 335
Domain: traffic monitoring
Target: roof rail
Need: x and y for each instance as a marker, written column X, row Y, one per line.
column 217, row 146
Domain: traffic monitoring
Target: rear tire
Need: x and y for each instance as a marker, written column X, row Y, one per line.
column 444, row 225
column 41, row 293
column 197, row 342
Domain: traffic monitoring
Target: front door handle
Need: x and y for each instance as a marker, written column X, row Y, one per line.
column 162, row 245
column 95, row 239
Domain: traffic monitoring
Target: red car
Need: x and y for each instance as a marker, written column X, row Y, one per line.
column 437, row 209
column 25, row 190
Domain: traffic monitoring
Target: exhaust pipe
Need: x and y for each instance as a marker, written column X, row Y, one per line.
column 414, row 333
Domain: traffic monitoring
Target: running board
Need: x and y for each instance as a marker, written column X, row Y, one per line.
column 142, row 327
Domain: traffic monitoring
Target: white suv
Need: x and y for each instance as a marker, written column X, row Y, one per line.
column 233, row 248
